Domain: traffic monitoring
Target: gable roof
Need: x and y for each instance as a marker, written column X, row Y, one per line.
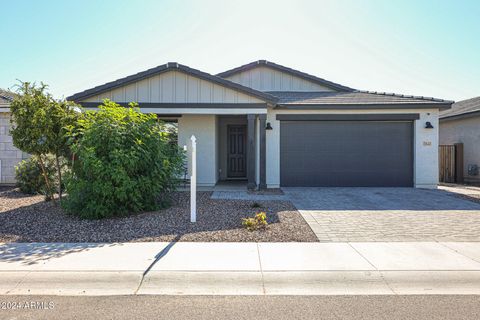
column 6, row 96
column 284, row 69
column 343, row 97
column 171, row 66
column 364, row 98
column 464, row 108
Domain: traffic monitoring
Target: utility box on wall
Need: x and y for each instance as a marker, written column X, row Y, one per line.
column 472, row 170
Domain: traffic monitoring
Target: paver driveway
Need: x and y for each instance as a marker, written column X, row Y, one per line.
column 387, row 214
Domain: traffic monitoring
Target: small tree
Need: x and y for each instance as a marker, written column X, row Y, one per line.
column 124, row 163
column 39, row 126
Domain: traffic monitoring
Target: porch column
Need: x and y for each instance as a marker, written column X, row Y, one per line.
column 263, row 151
column 251, row 151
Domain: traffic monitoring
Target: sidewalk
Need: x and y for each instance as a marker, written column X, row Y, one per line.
column 241, row 268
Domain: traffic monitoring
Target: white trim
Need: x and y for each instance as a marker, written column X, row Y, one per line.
column 200, row 110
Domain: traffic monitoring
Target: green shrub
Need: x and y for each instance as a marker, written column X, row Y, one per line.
column 256, row 205
column 30, row 179
column 124, row 163
column 259, row 221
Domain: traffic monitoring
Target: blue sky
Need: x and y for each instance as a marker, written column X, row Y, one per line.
column 429, row 48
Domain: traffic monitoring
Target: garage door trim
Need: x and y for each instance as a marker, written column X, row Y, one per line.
column 349, row 117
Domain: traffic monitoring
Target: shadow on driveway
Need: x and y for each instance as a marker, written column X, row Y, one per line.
column 344, row 199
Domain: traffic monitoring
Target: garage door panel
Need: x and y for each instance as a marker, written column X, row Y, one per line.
column 346, row 153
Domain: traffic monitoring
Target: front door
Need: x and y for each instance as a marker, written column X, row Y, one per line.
column 236, row 151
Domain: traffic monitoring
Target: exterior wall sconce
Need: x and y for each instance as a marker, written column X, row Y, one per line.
column 428, row 125
column 269, row 126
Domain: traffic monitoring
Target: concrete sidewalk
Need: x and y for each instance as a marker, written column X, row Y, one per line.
column 240, row 268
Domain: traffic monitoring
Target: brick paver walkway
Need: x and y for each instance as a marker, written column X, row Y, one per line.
column 393, row 214
column 358, row 226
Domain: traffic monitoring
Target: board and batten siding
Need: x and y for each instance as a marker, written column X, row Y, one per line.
column 174, row 87
column 267, row 79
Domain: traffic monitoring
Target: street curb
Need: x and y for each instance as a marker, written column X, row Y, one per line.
column 70, row 283
column 240, row 283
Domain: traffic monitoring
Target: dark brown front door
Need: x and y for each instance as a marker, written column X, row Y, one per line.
column 236, row 151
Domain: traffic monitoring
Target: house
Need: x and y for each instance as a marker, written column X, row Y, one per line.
column 461, row 124
column 9, row 155
column 278, row 127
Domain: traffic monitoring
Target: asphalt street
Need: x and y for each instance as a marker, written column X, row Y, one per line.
column 241, row 307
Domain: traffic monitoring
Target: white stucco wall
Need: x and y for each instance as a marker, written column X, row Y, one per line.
column 425, row 144
column 204, row 127
column 466, row 131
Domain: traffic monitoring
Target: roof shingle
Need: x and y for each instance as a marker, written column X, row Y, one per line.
column 463, row 107
column 352, row 98
column 6, row 96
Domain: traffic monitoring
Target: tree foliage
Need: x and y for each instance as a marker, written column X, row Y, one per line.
column 124, row 163
column 39, row 125
column 29, row 176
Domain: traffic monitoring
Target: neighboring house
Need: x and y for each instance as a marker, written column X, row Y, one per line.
column 278, row 127
column 9, row 155
column 461, row 124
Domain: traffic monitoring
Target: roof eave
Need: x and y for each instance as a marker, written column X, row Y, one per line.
column 360, row 106
column 460, row 116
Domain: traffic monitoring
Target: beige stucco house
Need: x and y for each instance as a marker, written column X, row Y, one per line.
column 274, row 126
column 461, row 124
column 9, row 155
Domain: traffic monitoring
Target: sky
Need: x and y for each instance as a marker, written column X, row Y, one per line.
column 427, row 48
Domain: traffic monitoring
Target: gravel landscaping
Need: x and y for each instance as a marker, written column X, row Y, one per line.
column 25, row 218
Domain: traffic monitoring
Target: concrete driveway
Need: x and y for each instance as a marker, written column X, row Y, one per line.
column 386, row 214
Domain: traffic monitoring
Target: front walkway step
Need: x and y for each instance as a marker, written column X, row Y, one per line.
column 244, row 195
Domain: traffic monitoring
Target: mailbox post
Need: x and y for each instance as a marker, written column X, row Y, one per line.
column 193, row 181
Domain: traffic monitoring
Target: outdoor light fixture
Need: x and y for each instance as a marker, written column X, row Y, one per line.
column 428, row 125
column 269, row 126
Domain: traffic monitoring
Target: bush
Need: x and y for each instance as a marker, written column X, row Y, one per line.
column 259, row 221
column 124, row 163
column 256, row 205
column 30, row 179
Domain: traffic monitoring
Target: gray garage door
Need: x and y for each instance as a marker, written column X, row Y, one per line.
column 346, row 153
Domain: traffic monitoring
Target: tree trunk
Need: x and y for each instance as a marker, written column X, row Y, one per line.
column 59, row 172
column 45, row 176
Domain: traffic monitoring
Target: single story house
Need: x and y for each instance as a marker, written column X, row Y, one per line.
column 278, row 127
column 9, row 155
column 461, row 124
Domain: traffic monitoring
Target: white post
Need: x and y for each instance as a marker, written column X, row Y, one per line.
column 193, row 181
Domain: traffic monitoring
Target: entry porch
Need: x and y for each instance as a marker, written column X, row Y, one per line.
column 231, row 149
